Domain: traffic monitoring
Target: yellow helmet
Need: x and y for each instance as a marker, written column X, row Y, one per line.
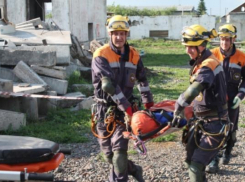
column 227, row 30
column 196, row 34
column 118, row 23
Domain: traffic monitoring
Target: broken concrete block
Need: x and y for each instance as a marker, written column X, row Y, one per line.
column 11, row 56
column 49, row 72
column 72, row 68
column 28, row 88
column 61, row 103
column 44, row 105
column 7, row 29
column 29, row 106
column 62, row 52
column 60, row 86
column 6, row 85
column 27, row 75
column 85, row 104
column 11, row 120
column 8, row 74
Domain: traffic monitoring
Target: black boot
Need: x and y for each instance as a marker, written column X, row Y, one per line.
column 138, row 174
column 197, row 172
column 213, row 166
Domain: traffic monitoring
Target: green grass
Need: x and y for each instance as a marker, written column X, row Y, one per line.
column 166, row 138
column 164, row 61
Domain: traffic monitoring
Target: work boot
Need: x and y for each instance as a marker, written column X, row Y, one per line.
column 213, row 166
column 196, row 172
column 225, row 159
column 138, row 174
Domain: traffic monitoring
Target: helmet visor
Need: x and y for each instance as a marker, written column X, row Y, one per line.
column 225, row 30
column 118, row 25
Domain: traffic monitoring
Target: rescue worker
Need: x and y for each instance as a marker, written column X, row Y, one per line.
column 207, row 90
column 115, row 69
column 233, row 61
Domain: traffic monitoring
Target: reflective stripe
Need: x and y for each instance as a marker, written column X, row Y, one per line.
column 143, row 89
column 181, row 102
column 130, row 65
column 117, row 97
column 114, row 65
column 217, row 70
column 242, row 90
column 233, row 65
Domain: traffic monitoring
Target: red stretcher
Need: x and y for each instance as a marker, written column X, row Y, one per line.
column 28, row 158
column 148, row 124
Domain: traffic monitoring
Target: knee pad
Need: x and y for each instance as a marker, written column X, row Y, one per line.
column 196, row 172
column 120, row 161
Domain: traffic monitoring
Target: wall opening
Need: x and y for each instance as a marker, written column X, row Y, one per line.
column 37, row 8
column 159, row 33
column 90, row 32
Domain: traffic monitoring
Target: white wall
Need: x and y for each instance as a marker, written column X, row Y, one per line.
column 16, row 11
column 76, row 14
column 174, row 24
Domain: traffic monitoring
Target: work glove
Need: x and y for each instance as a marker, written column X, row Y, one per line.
column 178, row 115
column 128, row 115
column 148, row 105
column 236, row 102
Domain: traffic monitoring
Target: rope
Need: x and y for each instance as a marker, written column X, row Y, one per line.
column 225, row 132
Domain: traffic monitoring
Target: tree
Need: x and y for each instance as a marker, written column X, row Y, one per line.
column 201, row 10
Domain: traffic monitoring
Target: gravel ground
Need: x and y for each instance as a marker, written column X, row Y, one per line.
column 163, row 163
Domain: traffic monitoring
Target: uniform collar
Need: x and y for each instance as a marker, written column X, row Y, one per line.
column 124, row 56
column 232, row 53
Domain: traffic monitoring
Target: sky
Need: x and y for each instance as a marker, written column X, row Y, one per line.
column 214, row 7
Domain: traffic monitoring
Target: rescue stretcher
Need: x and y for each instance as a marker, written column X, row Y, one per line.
column 148, row 124
column 28, row 158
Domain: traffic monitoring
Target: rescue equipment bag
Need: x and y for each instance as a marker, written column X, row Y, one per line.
column 147, row 124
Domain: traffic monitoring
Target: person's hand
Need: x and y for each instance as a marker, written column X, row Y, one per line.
column 128, row 115
column 236, row 102
column 178, row 115
column 148, row 105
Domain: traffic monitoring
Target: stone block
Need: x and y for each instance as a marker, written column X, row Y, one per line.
column 61, row 103
column 27, row 75
column 11, row 120
column 60, row 86
column 46, row 104
column 49, row 72
column 11, row 56
column 28, row 88
column 8, row 74
column 6, row 85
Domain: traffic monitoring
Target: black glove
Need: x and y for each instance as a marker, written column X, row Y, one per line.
column 178, row 115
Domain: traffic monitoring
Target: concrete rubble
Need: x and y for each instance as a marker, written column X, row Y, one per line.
column 38, row 58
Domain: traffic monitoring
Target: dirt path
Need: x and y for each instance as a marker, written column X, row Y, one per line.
column 164, row 162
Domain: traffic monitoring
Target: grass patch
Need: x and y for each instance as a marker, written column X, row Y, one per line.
column 166, row 138
column 61, row 126
column 241, row 125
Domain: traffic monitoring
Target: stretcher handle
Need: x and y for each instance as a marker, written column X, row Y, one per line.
column 41, row 176
column 65, row 151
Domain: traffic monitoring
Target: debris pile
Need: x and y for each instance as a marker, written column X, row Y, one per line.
column 38, row 58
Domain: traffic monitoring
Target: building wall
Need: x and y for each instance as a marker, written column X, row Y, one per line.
column 141, row 26
column 78, row 15
column 16, row 11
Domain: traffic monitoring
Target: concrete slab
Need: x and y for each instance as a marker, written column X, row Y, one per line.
column 62, row 52
column 30, row 89
column 82, row 86
column 35, row 37
column 60, row 86
column 27, row 75
column 6, row 85
column 6, row 73
column 44, row 105
column 85, row 104
column 49, row 72
column 29, row 106
column 61, row 103
column 7, row 29
column 11, row 56
column 11, row 120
